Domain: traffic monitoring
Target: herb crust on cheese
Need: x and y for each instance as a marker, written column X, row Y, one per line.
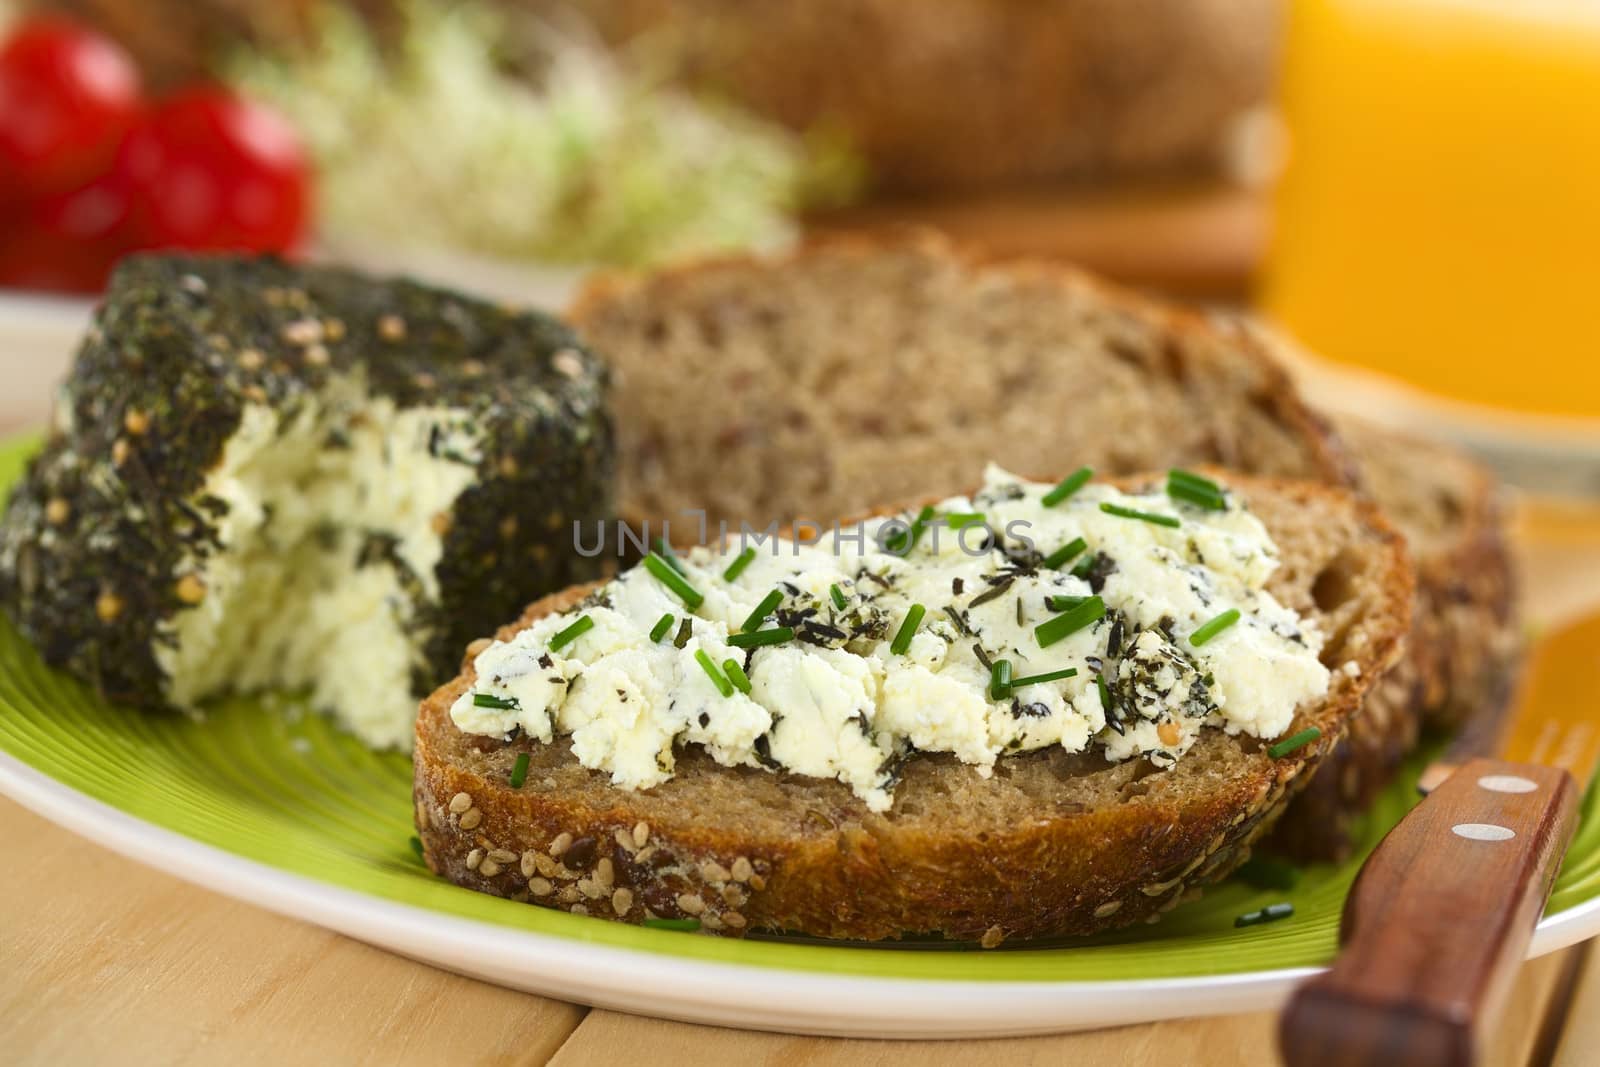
column 264, row 476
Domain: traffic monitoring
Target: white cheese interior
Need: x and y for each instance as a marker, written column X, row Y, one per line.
column 847, row 709
column 288, row 600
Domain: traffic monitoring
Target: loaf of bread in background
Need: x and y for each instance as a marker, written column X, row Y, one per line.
column 963, row 94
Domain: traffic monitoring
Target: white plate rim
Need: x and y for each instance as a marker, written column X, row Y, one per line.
column 717, row 993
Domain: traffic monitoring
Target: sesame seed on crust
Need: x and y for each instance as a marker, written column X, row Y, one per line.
column 190, row 589
column 107, row 606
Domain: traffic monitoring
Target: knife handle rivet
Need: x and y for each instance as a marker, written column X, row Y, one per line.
column 1507, row 783
column 1482, row 831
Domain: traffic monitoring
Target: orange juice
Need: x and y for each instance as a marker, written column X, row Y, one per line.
column 1439, row 217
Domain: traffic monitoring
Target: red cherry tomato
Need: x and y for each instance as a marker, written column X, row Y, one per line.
column 69, row 241
column 212, row 171
column 67, row 97
column 97, row 214
column 33, row 257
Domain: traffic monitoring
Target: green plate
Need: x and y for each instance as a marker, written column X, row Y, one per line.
column 326, row 826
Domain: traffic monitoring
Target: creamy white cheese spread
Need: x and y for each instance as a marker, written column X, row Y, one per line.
column 989, row 625
column 295, row 598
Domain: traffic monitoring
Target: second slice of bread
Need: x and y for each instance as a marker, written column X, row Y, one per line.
column 1463, row 645
column 1051, row 844
column 824, row 383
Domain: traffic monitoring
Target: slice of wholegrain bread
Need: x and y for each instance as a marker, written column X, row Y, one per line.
column 1452, row 512
column 850, row 373
column 1463, row 644
column 1051, row 844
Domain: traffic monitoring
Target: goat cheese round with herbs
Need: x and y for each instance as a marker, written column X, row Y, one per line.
column 1022, row 617
column 272, row 476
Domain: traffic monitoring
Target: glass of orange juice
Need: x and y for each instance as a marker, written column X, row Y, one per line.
column 1439, row 216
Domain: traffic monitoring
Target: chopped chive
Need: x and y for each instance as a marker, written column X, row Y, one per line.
column 571, row 633
column 686, row 925
column 756, row 638
column 519, row 773
column 724, row 686
column 1040, row 679
column 685, row 631
column 1000, row 679
column 957, row 520
column 1289, row 744
column 1067, row 486
column 838, row 597
column 1194, row 482
column 1268, row 914
column 416, row 846
column 664, row 550
column 1213, row 627
column 1063, row 603
column 1082, row 568
column 489, row 700
column 1199, row 500
column 905, row 540
column 1143, row 516
column 736, row 675
column 663, row 624
column 668, row 576
column 1263, row 873
column 908, row 629
column 763, row 609
column 1069, row 622
column 1067, row 551
column 1193, row 489
column 740, row 562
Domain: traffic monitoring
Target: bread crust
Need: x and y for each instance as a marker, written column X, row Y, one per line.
column 1271, row 388
column 1460, row 656
column 852, row 874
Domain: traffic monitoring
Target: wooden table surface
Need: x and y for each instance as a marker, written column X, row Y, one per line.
column 105, row 960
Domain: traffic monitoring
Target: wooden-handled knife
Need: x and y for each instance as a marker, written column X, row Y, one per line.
column 1439, row 919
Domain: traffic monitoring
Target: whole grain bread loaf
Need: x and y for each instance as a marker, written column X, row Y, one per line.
column 966, row 94
column 824, row 383
column 1051, row 844
column 1463, row 645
